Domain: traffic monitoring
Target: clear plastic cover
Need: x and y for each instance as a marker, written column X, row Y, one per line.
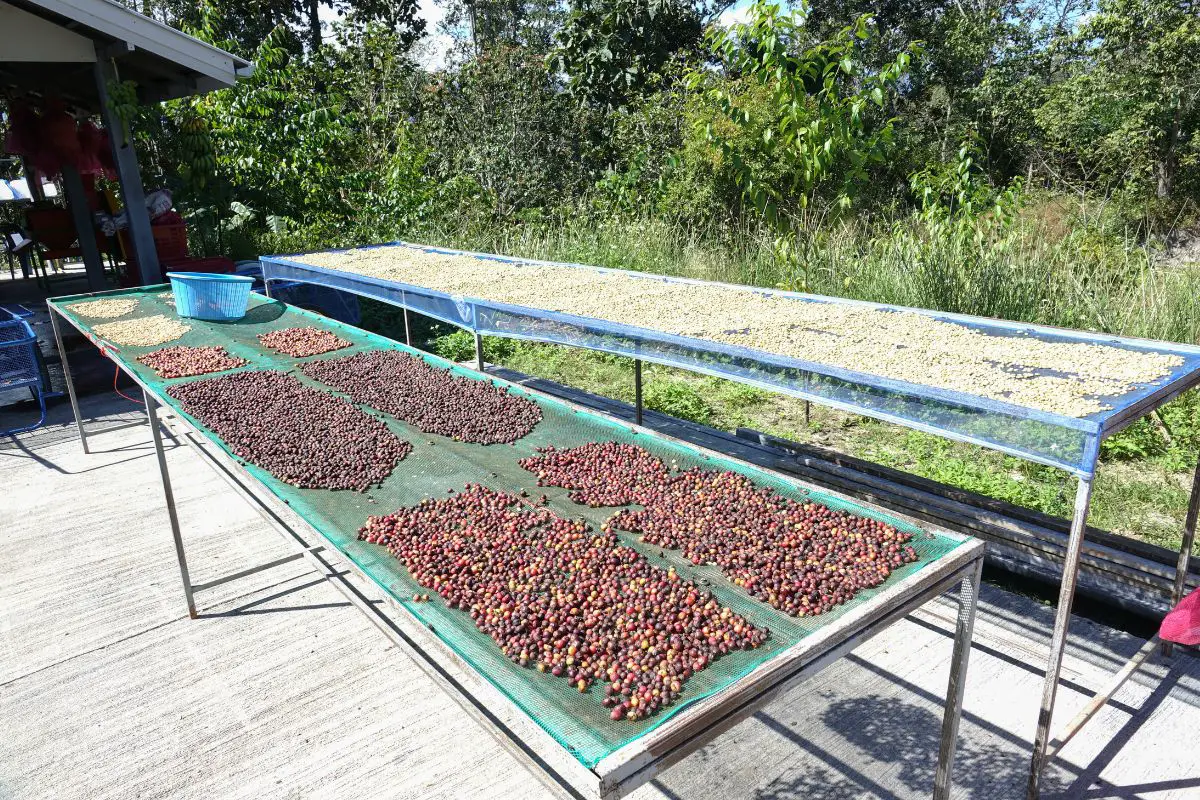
column 1071, row 443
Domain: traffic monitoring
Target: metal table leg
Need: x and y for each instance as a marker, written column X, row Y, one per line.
column 637, row 391
column 62, row 356
column 152, row 416
column 1058, row 641
column 968, row 594
column 478, row 352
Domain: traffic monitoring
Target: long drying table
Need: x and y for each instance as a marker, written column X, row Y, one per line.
column 1044, row 394
column 545, row 725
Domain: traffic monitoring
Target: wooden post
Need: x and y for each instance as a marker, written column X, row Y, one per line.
column 132, row 193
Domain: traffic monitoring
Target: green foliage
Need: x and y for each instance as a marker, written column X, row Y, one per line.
column 501, row 122
column 814, row 111
column 818, row 123
column 611, row 49
column 679, row 399
column 455, row 346
column 459, row 345
column 1127, row 112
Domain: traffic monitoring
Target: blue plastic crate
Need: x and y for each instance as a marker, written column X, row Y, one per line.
column 19, row 369
column 206, row 296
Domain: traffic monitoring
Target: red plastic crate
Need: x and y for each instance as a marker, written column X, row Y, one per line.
column 170, row 241
column 214, row 264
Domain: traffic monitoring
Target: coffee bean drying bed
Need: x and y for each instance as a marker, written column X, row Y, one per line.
column 556, row 725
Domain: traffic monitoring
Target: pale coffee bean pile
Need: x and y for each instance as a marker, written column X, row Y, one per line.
column 104, row 308
column 143, row 331
column 1068, row 378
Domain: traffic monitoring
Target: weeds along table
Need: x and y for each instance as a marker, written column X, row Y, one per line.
column 976, row 413
column 566, row 739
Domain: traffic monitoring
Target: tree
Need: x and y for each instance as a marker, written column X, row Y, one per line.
column 481, row 25
column 818, row 123
column 961, row 41
column 610, row 49
column 502, row 121
column 1128, row 108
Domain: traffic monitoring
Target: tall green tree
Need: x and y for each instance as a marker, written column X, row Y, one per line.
column 1126, row 108
column 611, row 49
column 816, row 115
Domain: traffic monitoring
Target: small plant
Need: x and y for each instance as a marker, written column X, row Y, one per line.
column 678, row 399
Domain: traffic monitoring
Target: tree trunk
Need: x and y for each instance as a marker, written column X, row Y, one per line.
column 1165, row 168
column 314, row 24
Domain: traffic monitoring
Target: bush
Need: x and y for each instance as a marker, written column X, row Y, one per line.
column 678, row 399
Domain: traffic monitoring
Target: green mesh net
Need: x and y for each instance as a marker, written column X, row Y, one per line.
column 579, row 722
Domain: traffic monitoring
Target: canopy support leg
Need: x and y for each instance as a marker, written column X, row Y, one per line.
column 84, row 226
column 1058, row 641
column 637, row 391
column 132, row 193
column 407, row 330
column 62, row 358
column 156, row 434
column 968, row 594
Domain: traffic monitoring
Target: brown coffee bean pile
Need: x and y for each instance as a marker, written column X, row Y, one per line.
column 598, row 473
column 562, row 598
column 300, row 435
column 430, row 398
column 302, row 342
column 802, row 558
column 184, row 362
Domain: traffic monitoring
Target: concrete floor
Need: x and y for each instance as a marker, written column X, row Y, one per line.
column 283, row 690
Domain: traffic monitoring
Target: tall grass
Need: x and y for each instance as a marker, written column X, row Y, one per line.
column 1083, row 277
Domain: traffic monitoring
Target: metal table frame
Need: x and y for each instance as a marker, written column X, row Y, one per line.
column 1044, row 748
column 644, row 758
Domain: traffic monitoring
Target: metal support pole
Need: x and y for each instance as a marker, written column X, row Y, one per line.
column 1185, row 549
column 267, row 286
column 407, row 332
column 637, row 391
column 968, row 594
column 152, row 416
column 478, row 352
column 1058, row 641
column 132, row 193
column 62, row 357
column 84, row 226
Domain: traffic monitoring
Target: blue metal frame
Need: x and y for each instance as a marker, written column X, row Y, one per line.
column 19, row 369
column 1069, row 443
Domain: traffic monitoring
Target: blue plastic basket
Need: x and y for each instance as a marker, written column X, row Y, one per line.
column 203, row 295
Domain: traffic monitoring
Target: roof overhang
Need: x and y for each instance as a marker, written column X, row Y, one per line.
column 48, row 48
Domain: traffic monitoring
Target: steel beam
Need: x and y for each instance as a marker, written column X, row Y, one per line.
column 132, row 194
column 637, row 391
column 85, row 226
column 156, row 434
column 968, row 595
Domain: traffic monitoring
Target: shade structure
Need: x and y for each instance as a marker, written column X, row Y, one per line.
column 70, row 51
